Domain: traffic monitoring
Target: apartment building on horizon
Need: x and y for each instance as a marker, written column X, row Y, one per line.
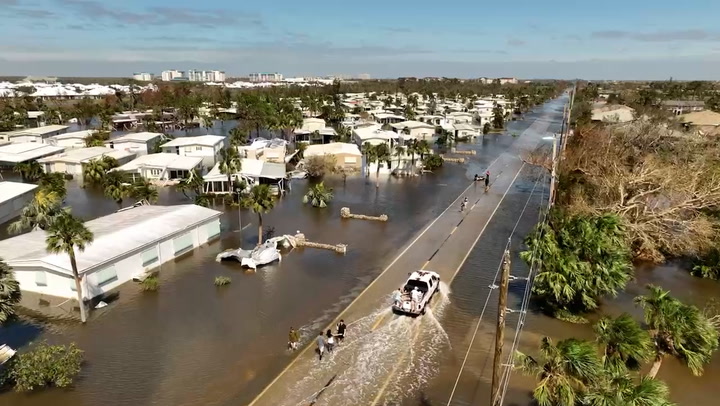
column 193, row 75
column 143, row 76
column 265, row 77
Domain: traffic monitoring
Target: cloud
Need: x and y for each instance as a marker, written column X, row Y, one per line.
column 514, row 42
column 659, row 36
column 398, row 30
column 162, row 15
column 32, row 13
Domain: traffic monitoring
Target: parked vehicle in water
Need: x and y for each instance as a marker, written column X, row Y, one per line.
column 416, row 293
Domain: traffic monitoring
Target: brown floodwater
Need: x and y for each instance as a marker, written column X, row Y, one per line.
column 191, row 343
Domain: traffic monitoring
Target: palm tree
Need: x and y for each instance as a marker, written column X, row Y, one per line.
column 422, row 148
column 677, row 329
column 54, row 183
column 367, row 150
column 412, row 149
column 94, row 171
column 318, row 195
column 9, row 292
column 399, row 152
column 208, row 123
column 230, row 164
column 260, row 201
column 64, row 235
column 115, row 187
column 565, row 371
column 239, row 136
column 193, row 182
column 382, row 154
column 622, row 390
column 30, row 171
column 625, row 343
column 143, row 190
column 45, row 207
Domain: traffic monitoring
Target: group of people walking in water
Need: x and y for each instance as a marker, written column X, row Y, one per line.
column 325, row 342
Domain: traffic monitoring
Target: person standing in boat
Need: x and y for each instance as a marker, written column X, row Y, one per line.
column 341, row 330
column 293, row 339
column 321, row 344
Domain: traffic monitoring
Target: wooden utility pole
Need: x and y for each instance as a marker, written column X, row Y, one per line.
column 500, row 332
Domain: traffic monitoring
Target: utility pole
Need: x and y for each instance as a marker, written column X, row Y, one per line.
column 500, row 332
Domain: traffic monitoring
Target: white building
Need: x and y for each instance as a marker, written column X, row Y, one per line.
column 206, row 147
column 347, row 156
column 374, row 134
column 12, row 154
column 13, row 197
column 38, row 134
column 162, row 166
column 417, row 129
column 71, row 162
column 75, row 139
column 168, row 75
column 143, row 77
column 613, row 113
column 265, row 77
column 252, row 171
column 126, row 244
column 205, row 75
column 140, row 143
column 465, row 130
column 274, row 150
column 387, row 118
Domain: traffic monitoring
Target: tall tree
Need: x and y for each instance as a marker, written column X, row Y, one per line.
column 66, row 234
column 10, row 294
column 625, row 343
column 42, row 210
column 381, row 154
column 230, row 164
column 94, row 172
column 115, row 187
column 30, row 171
column 677, row 329
column 260, row 201
column 566, row 371
column 143, row 190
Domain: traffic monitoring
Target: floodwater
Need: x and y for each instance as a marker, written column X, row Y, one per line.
column 192, row 343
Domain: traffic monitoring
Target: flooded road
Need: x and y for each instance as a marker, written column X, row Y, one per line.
column 191, row 343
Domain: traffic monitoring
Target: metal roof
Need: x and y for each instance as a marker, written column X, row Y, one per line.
column 26, row 151
column 47, row 129
column 204, row 140
column 11, row 190
column 115, row 235
column 162, row 160
column 83, row 155
column 136, row 137
column 254, row 168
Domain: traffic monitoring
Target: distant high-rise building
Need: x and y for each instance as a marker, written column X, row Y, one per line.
column 363, row 76
column 169, row 75
column 205, row 75
column 143, row 76
column 265, row 77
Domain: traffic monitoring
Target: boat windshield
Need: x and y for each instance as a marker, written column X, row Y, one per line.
column 413, row 283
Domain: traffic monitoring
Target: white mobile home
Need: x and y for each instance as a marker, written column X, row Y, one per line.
column 13, row 197
column 417, row 129
column 206, row 147
column 71, row 162
column 375, row 135
column 12, row 154
column 162, row 166
column 139, row 143
column 38, row 134
column 75, row 139
column 252, row 171
column 127, row 243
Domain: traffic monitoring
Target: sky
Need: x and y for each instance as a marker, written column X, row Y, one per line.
column 630, row 39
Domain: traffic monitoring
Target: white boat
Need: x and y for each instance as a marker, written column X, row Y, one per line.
column 6, row 353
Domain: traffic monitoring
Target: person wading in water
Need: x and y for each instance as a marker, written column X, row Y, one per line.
column 487, row 181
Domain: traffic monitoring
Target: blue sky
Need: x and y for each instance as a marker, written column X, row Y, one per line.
column 631, row 39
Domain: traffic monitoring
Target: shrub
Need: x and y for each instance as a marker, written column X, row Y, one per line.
column 317, row 166
column 432, row 162
column 45, row 365
column 222, row 280
column 150, row 284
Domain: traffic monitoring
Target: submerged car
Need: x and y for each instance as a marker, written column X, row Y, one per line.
column 416, row 293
